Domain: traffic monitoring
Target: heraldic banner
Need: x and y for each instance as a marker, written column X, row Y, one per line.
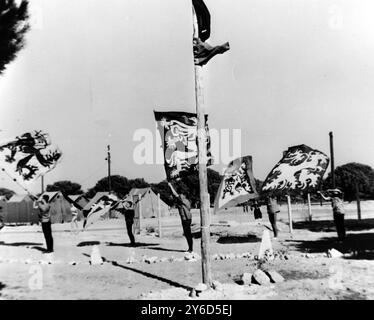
column 301, row 169
column 238, row 184
column 29, row 156
column 178, row 132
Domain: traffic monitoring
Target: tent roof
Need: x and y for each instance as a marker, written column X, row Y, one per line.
column 51, row 195
column 97, row 196
column 142, row 192
column 139, row 191
column 19, row 198
column 76, row 197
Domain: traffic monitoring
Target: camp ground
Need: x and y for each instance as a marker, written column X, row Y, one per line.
column 149, row 205
column 187, row 150
column 80, row 199
column 19, row 209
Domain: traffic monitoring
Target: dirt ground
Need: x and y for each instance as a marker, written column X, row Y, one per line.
column 309, row 274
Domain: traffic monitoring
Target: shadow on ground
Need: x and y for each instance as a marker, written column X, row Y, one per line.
column 41, row 249
column 361, row 244
column 19, row 244
column 88, row 243
column 238, row 239
column 146, row 274
column 166, row 249
column 329, row 226
column 129, row 245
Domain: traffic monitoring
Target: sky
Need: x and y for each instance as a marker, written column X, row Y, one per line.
column 92, row 72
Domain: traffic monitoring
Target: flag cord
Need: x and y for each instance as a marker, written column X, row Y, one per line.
column 16, row 181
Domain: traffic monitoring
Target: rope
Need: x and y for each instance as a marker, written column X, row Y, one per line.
column 16, row 181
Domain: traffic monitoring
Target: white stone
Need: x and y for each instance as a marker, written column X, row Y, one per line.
column 274, row 276
column 96, row 256
column 151, row 260
column 201, row 287
column 261, row 278
column 216, row 285
column 265, row 245
column 333, row 253
column 246, row 278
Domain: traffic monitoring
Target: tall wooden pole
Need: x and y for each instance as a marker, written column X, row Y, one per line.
column 201, row 139
column 309, row 208
column 159, row 215
column 42, row 180
column 109, row 174
column 140, row 212
column 289, row 213
column 358, row 201
column 332, row 159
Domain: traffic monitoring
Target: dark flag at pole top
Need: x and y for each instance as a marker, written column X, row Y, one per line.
column 203, row 52
column 203, row 19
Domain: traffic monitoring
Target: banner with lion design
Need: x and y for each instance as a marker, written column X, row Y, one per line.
column 178, row 132
column 238, row 184
column 29, row 156
column 301, row 169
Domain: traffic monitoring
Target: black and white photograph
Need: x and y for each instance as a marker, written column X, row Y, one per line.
column 202, row 151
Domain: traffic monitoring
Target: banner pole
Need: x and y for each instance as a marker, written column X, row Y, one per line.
column 332, row 159
column 289, row 212
column 309, row 208
column 159, row 216
column 201, row 137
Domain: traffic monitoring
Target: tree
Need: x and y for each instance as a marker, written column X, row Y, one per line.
column 121, row 186
column 13, row 27
column 67, row 187
column 6, row 192
column 259, row 184
column 164, row 190
column 350, row 176
column 190, row 186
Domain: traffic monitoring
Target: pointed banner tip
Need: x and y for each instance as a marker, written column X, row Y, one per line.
column 203, row 52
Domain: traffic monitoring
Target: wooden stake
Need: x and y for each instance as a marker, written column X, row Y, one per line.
column 289, row 212
column 108, row 158
column 201, row 138
column 358, row 202
column 332, row 159
column 159, row 215
column 309, row 208
column 140, row 211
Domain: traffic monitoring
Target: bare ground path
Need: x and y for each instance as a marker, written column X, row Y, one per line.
column 311, row 276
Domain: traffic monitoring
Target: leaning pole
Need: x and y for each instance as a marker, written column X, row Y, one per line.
column 201, row 139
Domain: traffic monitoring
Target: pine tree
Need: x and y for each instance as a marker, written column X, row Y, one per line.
column 13, row 27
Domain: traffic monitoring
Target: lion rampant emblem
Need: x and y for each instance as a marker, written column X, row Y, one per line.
column 30, row 155
column 178, row 131
column 301, row 168
column 237, row 182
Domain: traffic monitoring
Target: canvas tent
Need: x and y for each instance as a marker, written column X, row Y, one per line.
column 60, row 207
column 79, row 199
column 95, row 199
column 148, row 203
column 20, row 209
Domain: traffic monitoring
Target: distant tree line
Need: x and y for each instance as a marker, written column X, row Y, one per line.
column 354, row 179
